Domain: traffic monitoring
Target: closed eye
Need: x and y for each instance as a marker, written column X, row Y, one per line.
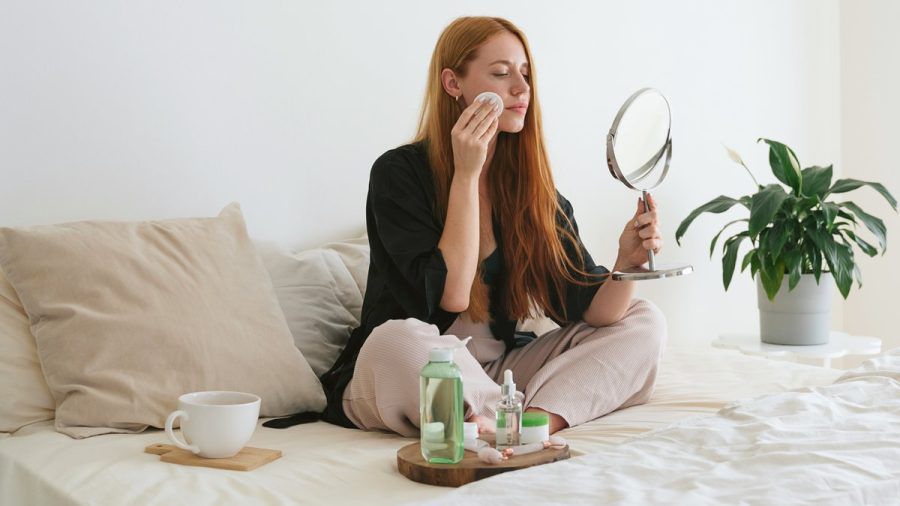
column 526, row 76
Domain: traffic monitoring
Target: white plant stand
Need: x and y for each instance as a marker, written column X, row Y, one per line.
column 840, row 344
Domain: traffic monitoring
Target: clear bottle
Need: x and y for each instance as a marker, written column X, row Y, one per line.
column 509, row 413
column 441, row 408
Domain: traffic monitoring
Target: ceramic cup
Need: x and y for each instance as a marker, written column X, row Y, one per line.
column 215, row 425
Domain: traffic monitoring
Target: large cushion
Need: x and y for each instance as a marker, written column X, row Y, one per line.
column 24, row 396
column 321, row 293
column 128, row 316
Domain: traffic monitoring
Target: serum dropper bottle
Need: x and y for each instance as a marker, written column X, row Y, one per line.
column 509, row 413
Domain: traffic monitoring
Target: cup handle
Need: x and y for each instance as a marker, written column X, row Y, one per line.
column 171, row 433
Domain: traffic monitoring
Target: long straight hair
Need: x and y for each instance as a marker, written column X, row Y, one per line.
column 522, row 191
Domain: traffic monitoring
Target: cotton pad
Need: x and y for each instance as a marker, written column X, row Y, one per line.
column 490, row 96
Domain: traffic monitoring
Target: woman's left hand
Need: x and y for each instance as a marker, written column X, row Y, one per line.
column 641, row 234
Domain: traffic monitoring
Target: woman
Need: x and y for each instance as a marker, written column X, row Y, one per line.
column 468, row 235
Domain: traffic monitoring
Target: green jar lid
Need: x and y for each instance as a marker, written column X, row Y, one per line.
column 532, row 419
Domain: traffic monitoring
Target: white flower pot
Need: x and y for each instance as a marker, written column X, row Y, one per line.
column 801, row 316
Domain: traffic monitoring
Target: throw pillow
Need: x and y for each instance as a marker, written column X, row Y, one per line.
column 127, row 316
column 24, row 395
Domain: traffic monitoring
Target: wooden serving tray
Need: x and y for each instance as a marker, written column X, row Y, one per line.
column 247, row 459
column 412, row 465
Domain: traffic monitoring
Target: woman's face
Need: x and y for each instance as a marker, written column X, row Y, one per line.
column 502, row 67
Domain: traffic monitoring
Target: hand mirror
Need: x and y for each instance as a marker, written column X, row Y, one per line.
column 638, row 151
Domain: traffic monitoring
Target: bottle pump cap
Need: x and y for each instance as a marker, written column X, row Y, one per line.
column 446, row 354
column 440, row 355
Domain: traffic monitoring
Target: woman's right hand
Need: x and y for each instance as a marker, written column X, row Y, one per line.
column 471, row 135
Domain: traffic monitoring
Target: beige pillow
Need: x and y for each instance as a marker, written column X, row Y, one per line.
column 128, row 316
column 24, row 396
column 321, row 294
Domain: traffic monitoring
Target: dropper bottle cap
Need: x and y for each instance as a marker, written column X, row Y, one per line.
column 508, row 389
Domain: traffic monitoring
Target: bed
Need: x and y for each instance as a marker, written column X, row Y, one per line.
column 326, row 464
column 832, row 444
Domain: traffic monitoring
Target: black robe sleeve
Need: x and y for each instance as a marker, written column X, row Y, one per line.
column 402, row 196
column 578, row 297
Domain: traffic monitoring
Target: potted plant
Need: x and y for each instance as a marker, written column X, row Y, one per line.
column 799, row 236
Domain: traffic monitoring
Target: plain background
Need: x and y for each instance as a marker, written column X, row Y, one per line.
column 149, row 110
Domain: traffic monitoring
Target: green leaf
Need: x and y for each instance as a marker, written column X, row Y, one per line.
column 875, row 225
column 867, row 248
column 841, row 225
column 815, row 256
column 844, row 278
column 847, row 216
column 731, row 250
column 794, row 264
column 776, row 239
column 845, row 185
column 805, row 204
column 772, row 274
column 856, row 272
column 712, row 246
column 717, row 205
column 785, row 165
column 764, row 205
column 825, row 243
column 763, row 239
column 747, row 259
column 831, row 211
column 812, row 220
column 816, row 180
column 838, row 257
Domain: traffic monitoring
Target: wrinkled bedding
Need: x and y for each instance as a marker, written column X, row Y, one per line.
column 835, row 444
column 326, row 464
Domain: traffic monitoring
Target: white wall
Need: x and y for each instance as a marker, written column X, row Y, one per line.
column 870, row 79
column 138, row 110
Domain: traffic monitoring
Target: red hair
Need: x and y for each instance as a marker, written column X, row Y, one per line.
column 521, row 184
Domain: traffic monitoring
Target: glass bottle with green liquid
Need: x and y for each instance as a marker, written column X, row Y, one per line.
column 441, row 407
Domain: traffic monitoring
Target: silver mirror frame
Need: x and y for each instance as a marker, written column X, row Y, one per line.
column 646, row 169
column 639, row 273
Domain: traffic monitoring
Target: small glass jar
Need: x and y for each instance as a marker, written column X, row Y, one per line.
column 535, row 427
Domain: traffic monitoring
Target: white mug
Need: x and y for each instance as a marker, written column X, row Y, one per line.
column 215, row 424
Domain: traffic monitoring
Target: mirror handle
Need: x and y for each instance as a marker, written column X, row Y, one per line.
column 650, row 259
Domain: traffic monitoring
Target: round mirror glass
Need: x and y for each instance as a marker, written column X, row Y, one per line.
column 641, row 136
column 638, row 152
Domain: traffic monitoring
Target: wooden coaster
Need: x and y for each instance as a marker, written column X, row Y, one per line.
column 247, row 459
column 412, row 465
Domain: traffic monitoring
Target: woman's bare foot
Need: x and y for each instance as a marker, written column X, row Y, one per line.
column 485, row 425
column 557, row 422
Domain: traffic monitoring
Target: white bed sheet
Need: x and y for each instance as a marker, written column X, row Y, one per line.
column 323, row 463
column 832, row 445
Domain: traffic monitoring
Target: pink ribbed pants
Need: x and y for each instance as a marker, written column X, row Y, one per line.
column 578, row 372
